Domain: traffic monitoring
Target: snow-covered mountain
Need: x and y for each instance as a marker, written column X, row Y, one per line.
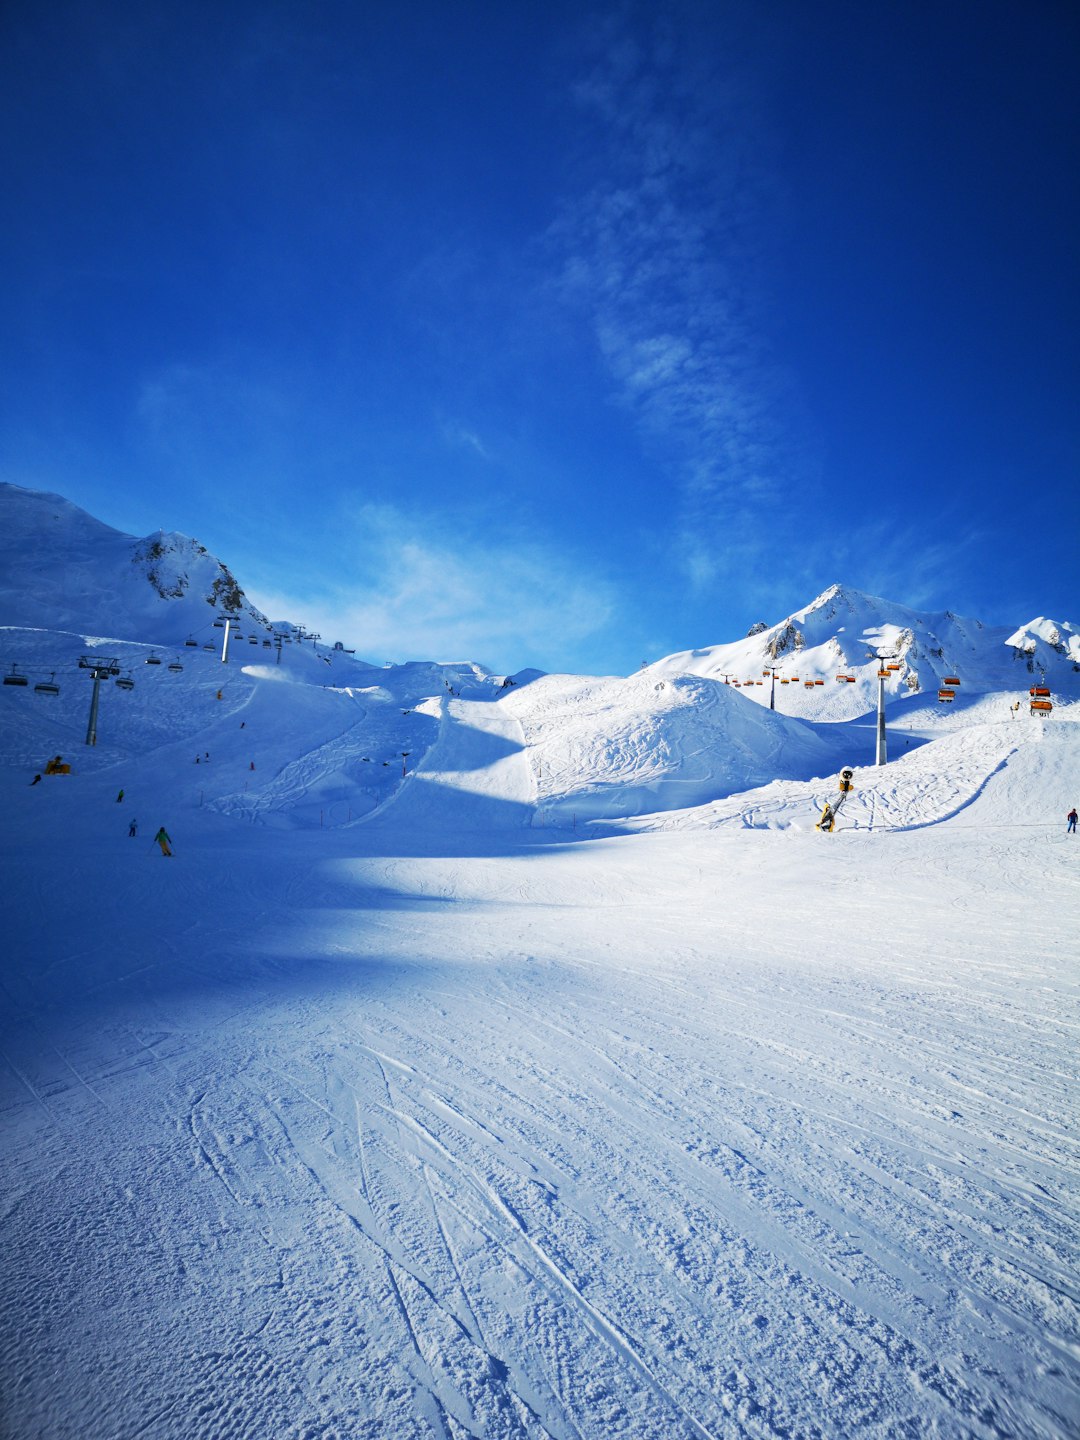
column 421, row 1116
column 60, row 569
column 841, row 632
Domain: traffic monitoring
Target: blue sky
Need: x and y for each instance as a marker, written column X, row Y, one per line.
column 539, row 333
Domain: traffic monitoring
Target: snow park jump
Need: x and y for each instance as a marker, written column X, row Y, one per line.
column 523, row 1060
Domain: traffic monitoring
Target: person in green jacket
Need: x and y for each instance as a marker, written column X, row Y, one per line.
column 163, row 840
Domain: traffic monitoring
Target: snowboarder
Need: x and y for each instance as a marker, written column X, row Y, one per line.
column 35, row 781
column 120, row 797
column 1070, row 829
column 162, row 839
column 252, row 765
column 133, row 828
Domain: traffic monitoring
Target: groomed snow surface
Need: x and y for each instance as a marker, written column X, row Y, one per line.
column 487, row 1103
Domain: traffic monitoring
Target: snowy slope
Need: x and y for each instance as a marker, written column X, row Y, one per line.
column 427, row 1125
column 62, row 569
column 839, row 632
column 389, row 1105
column 608, row 748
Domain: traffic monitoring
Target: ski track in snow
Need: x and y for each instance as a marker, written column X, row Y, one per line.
column 440, row 1125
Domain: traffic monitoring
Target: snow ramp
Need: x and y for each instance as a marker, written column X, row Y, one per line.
column 476, row 776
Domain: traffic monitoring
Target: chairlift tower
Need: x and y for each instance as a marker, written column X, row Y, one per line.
column 227, row 621
column 771, row 671
column 880, row 756
column 100, row 669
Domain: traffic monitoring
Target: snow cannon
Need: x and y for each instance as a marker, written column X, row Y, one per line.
column 832, row 809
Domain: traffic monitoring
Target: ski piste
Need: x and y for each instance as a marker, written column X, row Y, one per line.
column 522, row 1061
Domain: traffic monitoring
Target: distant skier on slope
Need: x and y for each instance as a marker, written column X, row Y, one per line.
column 133, row 828
column 162, row 839
column 1070, row 829
column 120, row 797
column 35, row 781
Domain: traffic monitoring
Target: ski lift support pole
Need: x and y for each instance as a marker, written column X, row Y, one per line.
column 880, row 756
column 99, row 670
column 225, row 642
column 770, row 670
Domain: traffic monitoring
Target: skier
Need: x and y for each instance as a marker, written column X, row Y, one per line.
column 162, row 839
column 120, row 797
column 1070, row 829
column 35, row 781
column 133, row 827
column 252, row 765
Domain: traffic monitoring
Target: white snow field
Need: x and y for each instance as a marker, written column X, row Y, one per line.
column 520, row 1061
column 437, row 1107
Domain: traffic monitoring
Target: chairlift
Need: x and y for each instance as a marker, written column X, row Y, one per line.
column 951, row 680
column 209, row 647
column 785, row 682
column 219, row 624
column 191, row 641
column 151, row 660
column 125, row 683
column 946, row 695
column 1042, row 692
column 15, row 678
column 176, row 667
column 266, row 644
column 893, row 666
column 819, row 682
column 47, row 687
column 883, row 674
column 254, row 640
column 1041, row 707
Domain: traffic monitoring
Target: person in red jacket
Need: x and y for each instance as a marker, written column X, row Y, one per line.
column 1070, row 829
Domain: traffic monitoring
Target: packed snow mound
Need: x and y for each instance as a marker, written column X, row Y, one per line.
column 63, row 570
column 612, row 748
column 825, row 656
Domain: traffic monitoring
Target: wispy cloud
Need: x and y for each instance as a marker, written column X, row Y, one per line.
column 461, row 437
column 664, row 250
column 431, row 587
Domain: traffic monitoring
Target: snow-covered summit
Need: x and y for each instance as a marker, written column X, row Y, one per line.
column 62, row 569
column 841, row 633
